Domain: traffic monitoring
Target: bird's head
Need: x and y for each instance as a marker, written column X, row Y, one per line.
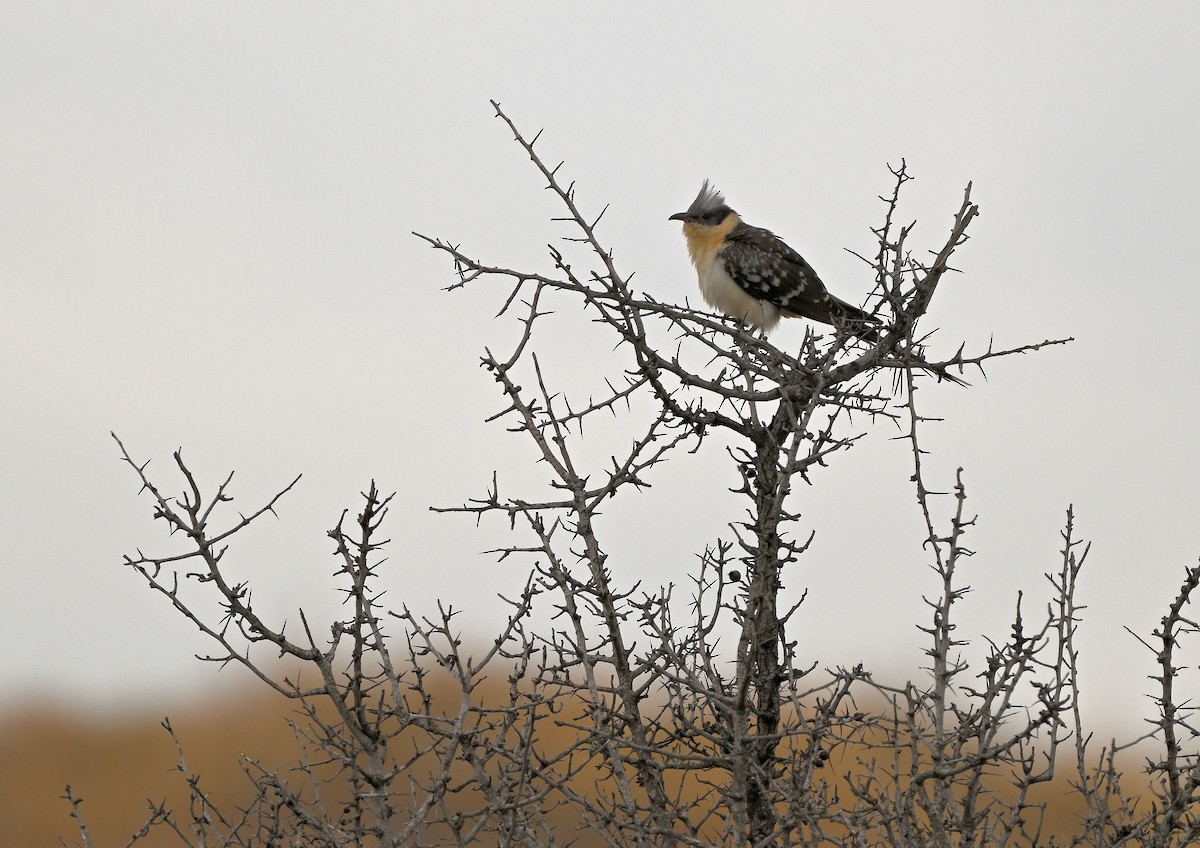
column 707, row 210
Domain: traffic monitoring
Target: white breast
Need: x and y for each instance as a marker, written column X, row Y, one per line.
column 721, row 292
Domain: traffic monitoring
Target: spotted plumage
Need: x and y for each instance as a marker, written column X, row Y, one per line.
column 750, row 274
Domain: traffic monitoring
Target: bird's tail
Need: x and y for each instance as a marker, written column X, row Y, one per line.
column 866, row 326
column 848, row 317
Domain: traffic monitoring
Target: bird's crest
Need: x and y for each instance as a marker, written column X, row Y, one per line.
column 708, row 200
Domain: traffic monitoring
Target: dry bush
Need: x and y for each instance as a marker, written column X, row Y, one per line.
column 625, row 718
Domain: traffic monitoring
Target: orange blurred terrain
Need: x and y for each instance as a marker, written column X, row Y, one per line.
column 116, row 763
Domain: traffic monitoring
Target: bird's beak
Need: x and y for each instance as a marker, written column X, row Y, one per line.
column 679, row 216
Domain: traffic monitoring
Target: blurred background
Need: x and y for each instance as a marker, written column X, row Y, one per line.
column 205, row 242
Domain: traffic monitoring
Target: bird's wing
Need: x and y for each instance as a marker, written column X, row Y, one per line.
column 764, row 266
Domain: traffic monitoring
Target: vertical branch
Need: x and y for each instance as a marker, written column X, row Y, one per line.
column 76, row 802
column 1179, row 771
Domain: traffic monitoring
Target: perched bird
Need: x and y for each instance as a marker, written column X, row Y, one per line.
column 751, row 275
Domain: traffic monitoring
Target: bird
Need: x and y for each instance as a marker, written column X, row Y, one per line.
column 752, row 275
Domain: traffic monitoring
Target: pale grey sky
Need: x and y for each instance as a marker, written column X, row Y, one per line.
column 204, row 242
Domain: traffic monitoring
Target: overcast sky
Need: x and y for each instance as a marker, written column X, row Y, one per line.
column 205, row 217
